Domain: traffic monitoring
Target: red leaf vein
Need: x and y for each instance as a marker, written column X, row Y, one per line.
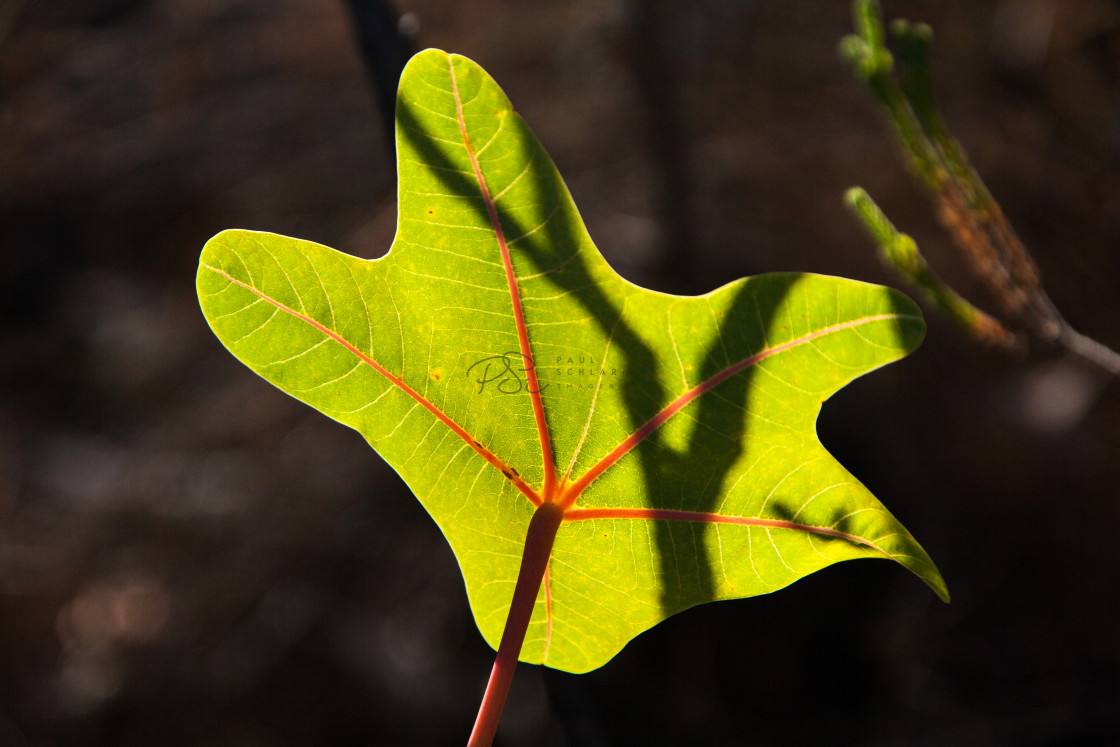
column 398, row 382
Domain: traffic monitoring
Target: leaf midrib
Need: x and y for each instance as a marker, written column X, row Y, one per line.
column 548, row 489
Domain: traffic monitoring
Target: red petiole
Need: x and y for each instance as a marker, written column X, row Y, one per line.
column 534, row 561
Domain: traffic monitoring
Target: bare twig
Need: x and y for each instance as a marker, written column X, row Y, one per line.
column 964, row 205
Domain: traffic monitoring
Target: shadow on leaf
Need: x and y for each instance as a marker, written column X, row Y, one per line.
column 682, row 479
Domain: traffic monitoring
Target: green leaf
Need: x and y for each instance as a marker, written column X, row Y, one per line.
column 496, row 361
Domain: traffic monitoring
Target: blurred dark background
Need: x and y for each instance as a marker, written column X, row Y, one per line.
column 188, row 557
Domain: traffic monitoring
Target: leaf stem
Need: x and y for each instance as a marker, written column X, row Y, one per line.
column 538, row 548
